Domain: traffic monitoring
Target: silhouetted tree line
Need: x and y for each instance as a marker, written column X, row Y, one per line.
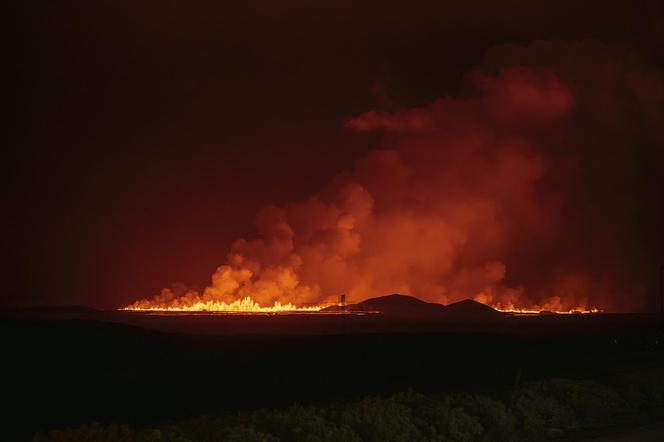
column 533, row 411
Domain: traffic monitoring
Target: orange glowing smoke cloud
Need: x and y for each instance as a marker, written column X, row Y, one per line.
column 460, row 193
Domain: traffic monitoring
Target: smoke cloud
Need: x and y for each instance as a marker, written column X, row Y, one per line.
column 523, row 192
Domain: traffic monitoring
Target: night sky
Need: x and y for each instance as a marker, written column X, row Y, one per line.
column 146, row 136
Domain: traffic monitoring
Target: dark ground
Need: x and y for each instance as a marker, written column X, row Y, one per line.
column 68, row 367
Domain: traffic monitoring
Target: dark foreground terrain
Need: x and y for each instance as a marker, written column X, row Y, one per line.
column 63, row 369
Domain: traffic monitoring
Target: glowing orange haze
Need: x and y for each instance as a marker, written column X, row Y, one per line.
column 439, row 213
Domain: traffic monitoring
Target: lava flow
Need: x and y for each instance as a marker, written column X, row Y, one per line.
column 248, row 306
column 524, row 311
column 245, row 305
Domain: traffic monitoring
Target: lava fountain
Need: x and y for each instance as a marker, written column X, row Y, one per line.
column 244, row 305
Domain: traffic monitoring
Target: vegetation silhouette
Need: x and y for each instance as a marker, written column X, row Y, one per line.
column 535, row 411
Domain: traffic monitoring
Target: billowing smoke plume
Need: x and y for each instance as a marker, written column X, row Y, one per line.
column 505, row 195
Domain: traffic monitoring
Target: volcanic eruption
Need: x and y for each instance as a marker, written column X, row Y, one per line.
column 477, row 196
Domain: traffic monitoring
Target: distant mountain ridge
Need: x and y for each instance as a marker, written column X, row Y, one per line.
column 404, row 305
column 391, row 304
column 470, row 308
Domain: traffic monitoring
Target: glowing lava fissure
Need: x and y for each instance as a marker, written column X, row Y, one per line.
column 244, row 305
column 248, row 306
column 525, row 311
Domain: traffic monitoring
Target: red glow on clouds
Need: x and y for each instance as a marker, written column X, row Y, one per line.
column 437, row 213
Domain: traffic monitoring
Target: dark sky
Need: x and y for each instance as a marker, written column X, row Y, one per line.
column 146, row 135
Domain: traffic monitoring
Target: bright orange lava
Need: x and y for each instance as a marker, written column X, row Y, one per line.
column 245, row 305
column 248, row 305
column 524, row 311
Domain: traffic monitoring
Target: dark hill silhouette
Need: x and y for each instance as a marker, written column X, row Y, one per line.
column 403, row 305
column 471, row 310
column 397, row 305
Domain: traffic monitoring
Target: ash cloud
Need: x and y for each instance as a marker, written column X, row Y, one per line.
column 537, row 189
